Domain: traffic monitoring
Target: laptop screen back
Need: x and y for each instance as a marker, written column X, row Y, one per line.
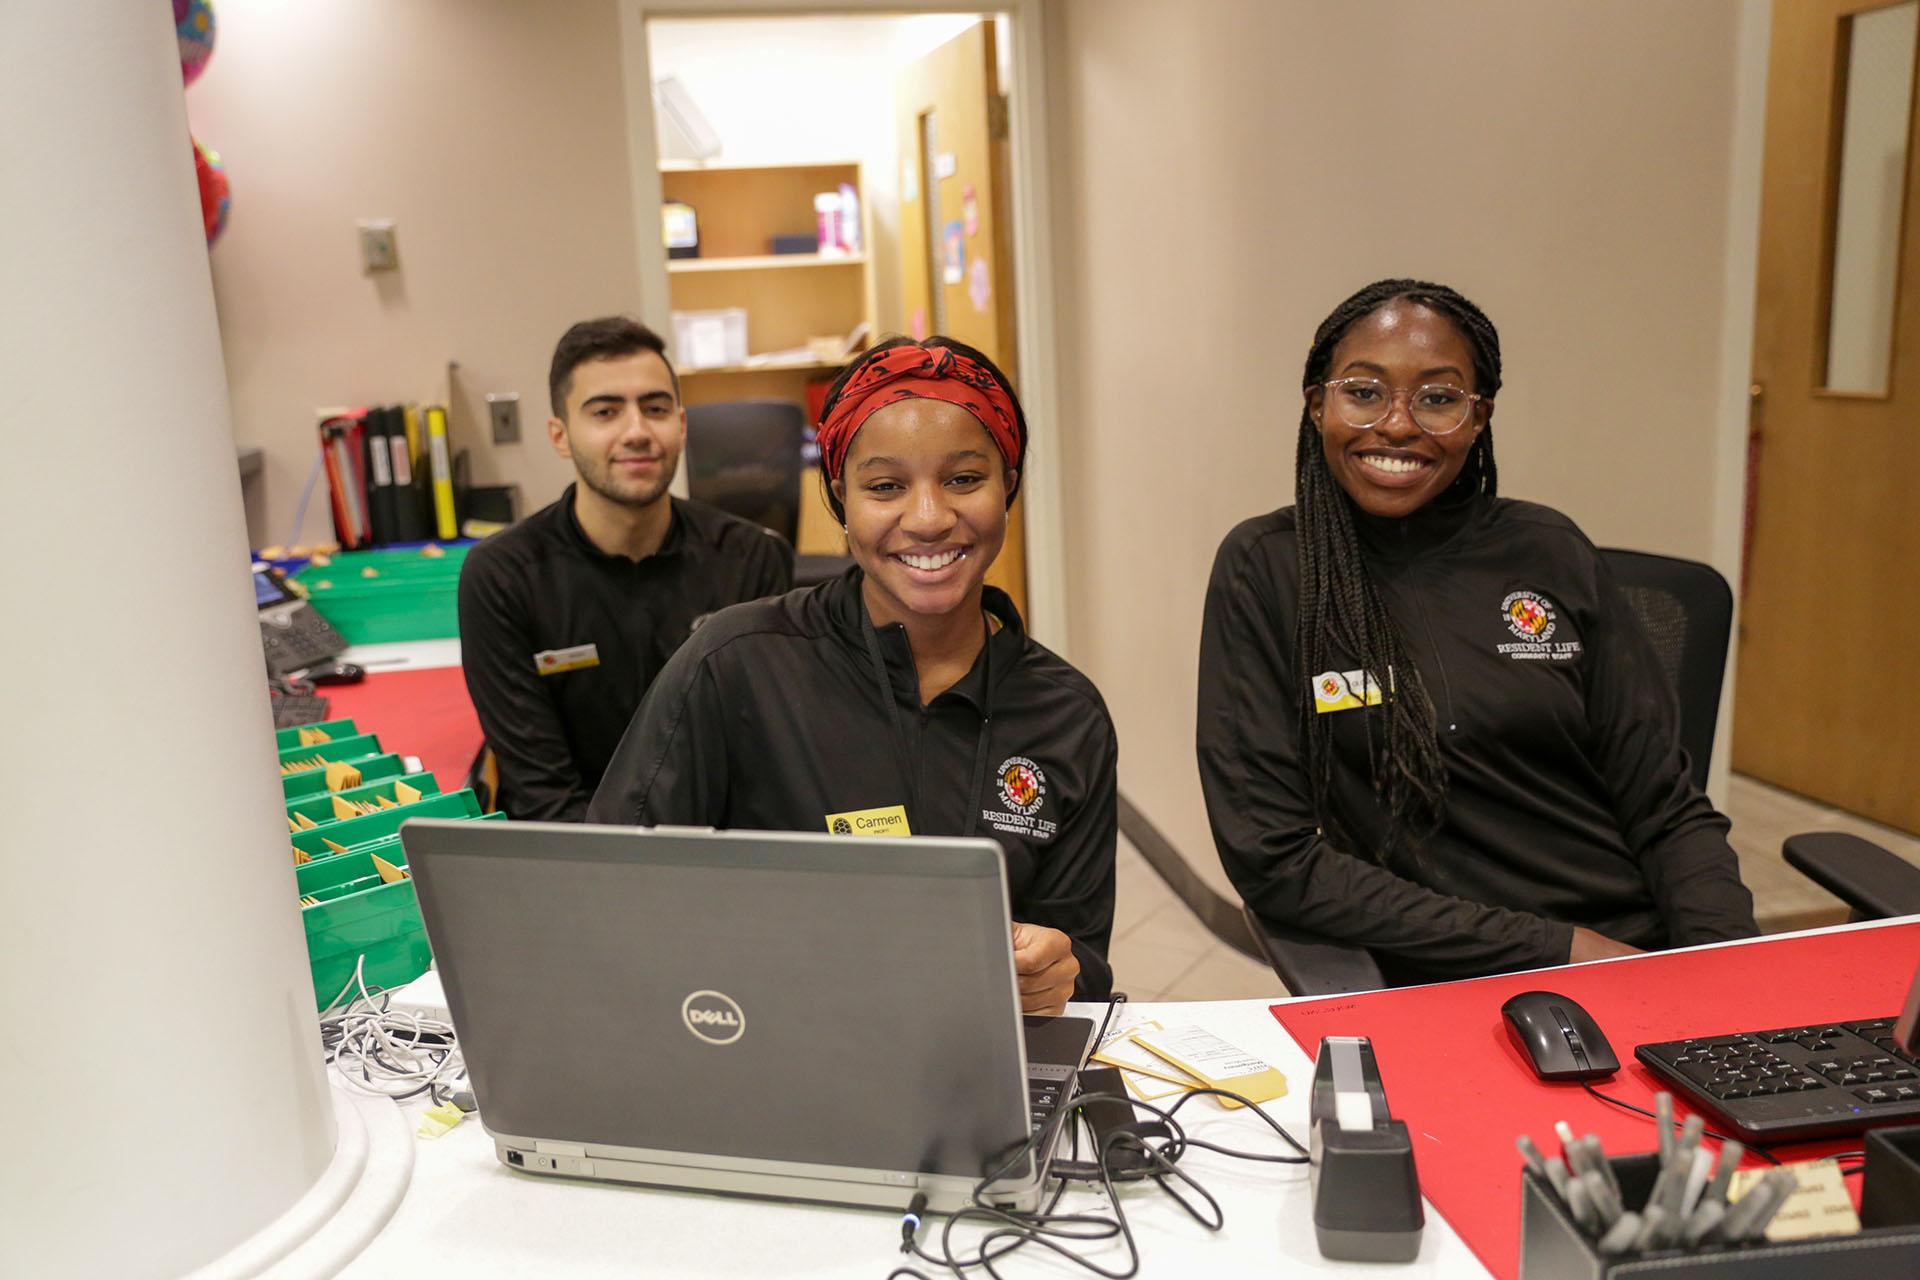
column 762, row 996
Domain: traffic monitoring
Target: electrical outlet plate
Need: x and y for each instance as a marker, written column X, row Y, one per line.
column 378, row 249
column 503, row 411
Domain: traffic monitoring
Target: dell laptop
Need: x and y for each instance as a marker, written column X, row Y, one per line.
column 800, row 1016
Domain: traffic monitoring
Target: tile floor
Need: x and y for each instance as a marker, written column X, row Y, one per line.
column 1160, row 951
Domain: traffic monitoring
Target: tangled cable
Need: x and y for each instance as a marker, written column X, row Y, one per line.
column 378, row 1051
column 1156, row 1147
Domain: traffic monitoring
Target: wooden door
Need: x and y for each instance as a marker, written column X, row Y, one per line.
column 1828, row 688
column 956, row 233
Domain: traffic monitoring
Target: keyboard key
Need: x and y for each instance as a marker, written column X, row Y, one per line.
column 1874, row 1095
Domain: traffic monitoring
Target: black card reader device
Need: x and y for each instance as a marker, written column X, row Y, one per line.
column 1366, row 1192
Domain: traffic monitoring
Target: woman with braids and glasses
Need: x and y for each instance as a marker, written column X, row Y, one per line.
column 1429, row 724
column 904, row 697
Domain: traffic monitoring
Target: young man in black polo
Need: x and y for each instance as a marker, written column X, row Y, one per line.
column 566, row 617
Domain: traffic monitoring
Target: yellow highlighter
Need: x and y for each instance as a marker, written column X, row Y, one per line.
column 442, row 465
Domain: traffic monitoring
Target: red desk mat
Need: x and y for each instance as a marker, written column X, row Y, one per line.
column 1454, row 1075
column 416, row 713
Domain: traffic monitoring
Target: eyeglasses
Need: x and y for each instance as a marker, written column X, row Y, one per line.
column 1436, row 408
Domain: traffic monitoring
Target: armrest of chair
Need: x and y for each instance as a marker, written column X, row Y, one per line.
column 1874, row 882
column 1311, row 965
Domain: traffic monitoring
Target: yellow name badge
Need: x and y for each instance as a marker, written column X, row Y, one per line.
column 888, row 821
column 551, row 662
column 1336, row 691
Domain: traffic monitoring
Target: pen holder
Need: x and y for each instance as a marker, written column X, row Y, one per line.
column 1553, row 1247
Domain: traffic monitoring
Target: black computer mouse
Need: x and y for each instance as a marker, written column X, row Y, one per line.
column 1560, row 1039
column 337, row 673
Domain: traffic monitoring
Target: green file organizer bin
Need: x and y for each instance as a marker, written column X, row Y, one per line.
column 313, row 782
column 353, row 832
column 357, row 916
column 412, row 597
column 319, row 807
column 290, row 736
column 360, row 744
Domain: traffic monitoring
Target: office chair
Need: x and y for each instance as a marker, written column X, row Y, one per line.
column 744, row 456
column 1686, row 609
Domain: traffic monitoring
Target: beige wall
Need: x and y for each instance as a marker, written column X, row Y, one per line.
column 494, row 133
column 1229, row 171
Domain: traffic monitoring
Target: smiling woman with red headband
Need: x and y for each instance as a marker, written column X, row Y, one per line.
column 904, row 697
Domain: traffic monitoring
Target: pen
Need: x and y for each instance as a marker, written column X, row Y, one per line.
column 1557, row 1175
column 1530, row 1152
column 1650, row 1224
column 1690, row 1134
column 1564, row 1131
column 1772, row 1194
column 1664, row 1184
column 1621, row 1236
column 1731, row 1153
column 1663, row 1112
column 1750, row 1208
column 1600, row 1162
column 1600, row 1194
column 1696, row 1180
column 1580, row 1202
column 1703, row 1221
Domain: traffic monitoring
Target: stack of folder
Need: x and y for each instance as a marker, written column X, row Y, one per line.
column 389, row 474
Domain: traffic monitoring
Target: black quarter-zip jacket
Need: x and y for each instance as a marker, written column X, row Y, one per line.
column 543, row 587
column 1569, row 800
column 774, row 718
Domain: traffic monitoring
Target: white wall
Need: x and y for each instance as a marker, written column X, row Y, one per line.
column 1230, row 171
column 494, row 134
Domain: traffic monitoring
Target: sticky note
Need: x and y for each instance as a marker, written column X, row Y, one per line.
column 435, row 1121
column 1819, row 1206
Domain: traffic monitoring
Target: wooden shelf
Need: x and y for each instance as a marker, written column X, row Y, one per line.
column 766, row 366
column 748, row 166
column 765, row 262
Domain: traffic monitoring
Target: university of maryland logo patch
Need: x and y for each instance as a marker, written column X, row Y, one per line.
column 1022, row 785
column 1529, row 616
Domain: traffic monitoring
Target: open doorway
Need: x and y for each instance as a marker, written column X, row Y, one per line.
column 826, row 180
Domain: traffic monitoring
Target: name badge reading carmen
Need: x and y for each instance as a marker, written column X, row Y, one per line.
column 888, row 821
column 1336, row 691
column 551, row 662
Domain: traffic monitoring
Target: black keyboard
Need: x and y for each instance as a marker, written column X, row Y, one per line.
column 295, row 636
column 290, row 709
column 1794, row 1083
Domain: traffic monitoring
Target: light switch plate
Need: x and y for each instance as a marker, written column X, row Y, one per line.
column 503, row 411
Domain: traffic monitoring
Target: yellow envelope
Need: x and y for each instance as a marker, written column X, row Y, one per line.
column 1220, row 1065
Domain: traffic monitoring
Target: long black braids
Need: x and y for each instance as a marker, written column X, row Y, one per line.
column 1340, row 610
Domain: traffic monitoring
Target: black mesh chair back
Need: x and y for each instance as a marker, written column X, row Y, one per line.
column 744, row 456
column 1686, row 609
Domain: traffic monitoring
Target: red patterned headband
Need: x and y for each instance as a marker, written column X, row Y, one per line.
column 931, row 373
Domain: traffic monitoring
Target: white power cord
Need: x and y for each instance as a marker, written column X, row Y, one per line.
column 382, row 1051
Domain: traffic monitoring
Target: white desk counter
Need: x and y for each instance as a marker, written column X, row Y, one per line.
column 466, row 1214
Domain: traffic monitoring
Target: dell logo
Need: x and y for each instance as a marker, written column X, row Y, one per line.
column 714, row 1017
